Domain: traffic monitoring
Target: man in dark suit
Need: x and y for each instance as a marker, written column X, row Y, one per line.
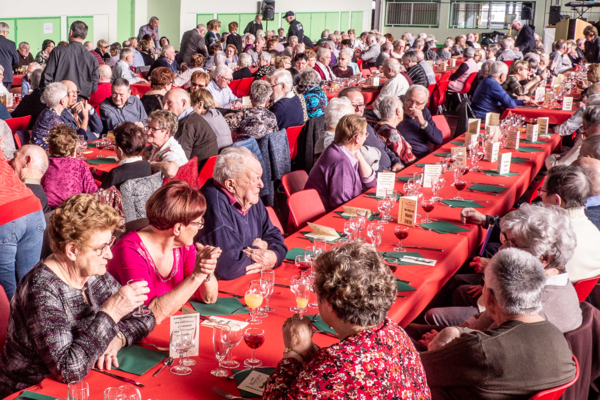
column 525, row 41
column 254, row 25
column 192, row 42
column 73, row 62
column 8, row 55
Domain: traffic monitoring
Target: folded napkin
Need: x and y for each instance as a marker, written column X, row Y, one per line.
column 421, row 165
column 487, row 188
column 34, row 395
column 441, row 154
column 519, row 160
column 404, row 287
column 100, row 161
column 443, row 227
column 139, row 360
column 392, row 254
column 458, row 143
column 403, row 178
column 320, row 325
column 239, row 378
column 462, row 203
column 329, row 241
column 528, row 149
column 373, row 195
column 491, row 172
column 292, row 253
column 223, row 306
column 536, row 142
column 92, row 144
column 372, row 217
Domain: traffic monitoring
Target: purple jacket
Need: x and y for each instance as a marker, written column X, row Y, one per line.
column 66, row 177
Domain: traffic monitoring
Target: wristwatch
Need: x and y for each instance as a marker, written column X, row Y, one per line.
column 123, row 338
column 425, row 125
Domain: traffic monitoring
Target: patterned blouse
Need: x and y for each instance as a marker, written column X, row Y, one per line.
column 256, row 122
column 47, row 120
column 54, row 331
column 263, row 71
column 377, row 363
column 65, row 177
column 316, row 102
column 395, row 142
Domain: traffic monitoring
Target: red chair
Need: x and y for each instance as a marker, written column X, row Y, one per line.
column 292, row 133
column 18, row 124
column 18, row 143
column 370, row 96
column 233, row 85
column 468, row 84
column 555, row 393
column 4, row 314
column 439, row 96
column 243, row 88
column 305, row 206
column 187, row 172
column 359, row 62
column 431, row 89
column 294, row 182
column 274, row 219
column 207, row 171
column 140, row 89
column 584, row 287
column 446, row 76
column 442, row 124
column 508, row 63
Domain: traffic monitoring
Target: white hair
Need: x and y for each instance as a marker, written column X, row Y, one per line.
column 388, row 107
column 498, row 68
column 293, row 37
column 337, row 108
column 220, row 58
column 283, row 77
column 348, row 52
column 201, row 27
column 419, row 88
column 244, row 60
column 38, row 156
column 506, row 43
column 4, row 27
column 231, row 162
column 265, row 56
column 449, row 42
column 166, row 49
column 323, row 52
column 221, row 70
column 248, row 36
column 392, row 64
column 126, row 52
column 54, row 93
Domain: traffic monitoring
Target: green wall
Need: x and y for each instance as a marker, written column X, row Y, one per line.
column 89, row 22
column 168, row 13
column 11, row 30
column 31, row 30
column 125, row 16
column 241, row 19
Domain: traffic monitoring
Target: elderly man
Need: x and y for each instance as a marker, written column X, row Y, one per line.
column 386, row 52
column 121, row 107
column 31, row 104
column 167, row 60
column 219, row 87
column 30, row 163
column 151, row 28
column 73, row 62
column 525, row 41
column 370, row 55
column 286, row 105
column 104, row 86
column 25, row 82
column 78, row 112
column 396, row 86
column 466, row 364
column 322, row 64
column 591, row 167
column 236, row 219
column 8, row 55
column 257, row 50
column 415, row 71
column 417, row 127
column 122, row 70
column 590, row 148
column 508, row 53
column 192, row 42
column 194, row 133
column 426, row 67
column 25, row 57
column 255, row 25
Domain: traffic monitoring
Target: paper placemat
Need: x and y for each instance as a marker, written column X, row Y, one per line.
column 480, row 187
column 462, row 203
column 223, row 306
column 139, row 360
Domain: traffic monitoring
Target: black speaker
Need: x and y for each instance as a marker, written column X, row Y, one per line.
column 527, row 11
column 268, row 10
column 554, row 15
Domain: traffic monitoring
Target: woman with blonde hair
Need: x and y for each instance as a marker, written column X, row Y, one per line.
column 231, row 53
column 283, row 62
column 212, row 34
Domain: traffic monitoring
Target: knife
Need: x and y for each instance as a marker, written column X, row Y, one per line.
column 281, row 285
column 121, row 378
column 422, row 248
column 231, row 294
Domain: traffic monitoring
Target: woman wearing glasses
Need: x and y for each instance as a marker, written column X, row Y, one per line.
column 164, row 254
column 166, row 155
column 68, row 315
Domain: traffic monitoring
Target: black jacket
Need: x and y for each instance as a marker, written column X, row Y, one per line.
column 30, row 105
column 236, row 40
column 75, row 63
column 592, row 50
column 253, row 27
column 191, row 43
column 242, row 73
column 296, row 29
column 526, row 40
column 8, row 57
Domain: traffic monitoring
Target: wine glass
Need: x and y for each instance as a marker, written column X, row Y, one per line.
column 459, row 185
column 130, row 392
column 254, row 299
column 100, row 146
column 361, row 219
column 221, row 347
column 401, row 232
column 392, row 196
column 428, row 206
column 79, row 390
column 383, row 206
column 302, row 295
column 188, row 362
column 235, row 337
column 268, row 275
column 350, row 228
column 254, row 338
column 311, row 281
column 142, row 310
column 264, row 290
column 302, row 263
column 374, row 232
column 293, row 286
column 113, row 393
column 309, row 255
column 181, row 341
column 319, row 246
column 476, row 155
column 436, row 185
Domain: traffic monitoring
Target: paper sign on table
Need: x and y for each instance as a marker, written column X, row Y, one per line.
column 567, row 103
column 353, row 211
column 460, row 155
column 407, row 211
column 430, row 173
column 503, row 164
column 492, row 119
column 453, row 62
column 548, row 99
column 491, row 151
column 512, row 140
column 540, row 94
column 246, row 102
column 443, row 66
column 493, row 133
column 385, row 182
column 532, row 132
column 375, row 81
column 213, row 321
column 418, row 260
column 187, row 321
column 255, row 383
column 543, row 123
column 473, row 129
column 323, row 232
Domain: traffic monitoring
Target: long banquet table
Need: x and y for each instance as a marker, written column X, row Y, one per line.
column 426, row 280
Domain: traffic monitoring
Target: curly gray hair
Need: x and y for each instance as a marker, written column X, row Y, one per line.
column 260, row 91
column 54, row 93
column 309, row 78
column 164, row 120
column 244, row 60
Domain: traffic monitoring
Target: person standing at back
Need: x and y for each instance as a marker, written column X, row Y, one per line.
column 8, row 55
column 255, row 25
column 151, row 28
column 192, row 42
column 296, row 28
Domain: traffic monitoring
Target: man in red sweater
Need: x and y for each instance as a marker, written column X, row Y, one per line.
column 103, row 91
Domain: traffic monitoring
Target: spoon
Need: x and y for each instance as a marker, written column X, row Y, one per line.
column 167, row 363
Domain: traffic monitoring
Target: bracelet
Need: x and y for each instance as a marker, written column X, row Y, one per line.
column 290, row 350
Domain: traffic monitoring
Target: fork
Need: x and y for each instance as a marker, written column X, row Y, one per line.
column 152, row 344
column 227, row 395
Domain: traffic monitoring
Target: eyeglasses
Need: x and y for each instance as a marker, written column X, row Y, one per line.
column 411, row 102
column 510, row 242
column 358, row 106
column 100, row 250
column 224, row 78
column 72, row 92
column 272, row 86
column 198, row 225
column 149, row 129
column 540, row 190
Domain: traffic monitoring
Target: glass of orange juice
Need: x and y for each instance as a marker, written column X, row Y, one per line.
column 302, row 295
column 254, row 299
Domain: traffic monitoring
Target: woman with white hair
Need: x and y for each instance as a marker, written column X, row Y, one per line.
column 244, row 63
column 344, row 68
column 315, row 98
column 248, row 40
column 264, row 64
column 257, row 121
column 445, row 52
column 390, row 109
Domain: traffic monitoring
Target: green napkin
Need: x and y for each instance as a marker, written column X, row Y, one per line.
column 223, row 306
column 239, row 378
column 519, row 160
column 139, row 360
column 100, row 161
column 392, row 254
column 527, row 149
column 423, row 165
column 487, row 188
column 329, row 241
column 462, row 203
column 443, row 227
column 403, row 178
column 34, row 395
column 404, row 287
column 320, row 325
column 92, row 144
column 292, row 253
column 458, row 143
column 372, row 217
column 373, row 196
column 536, row 142
column 441, row 154
column 495, row 173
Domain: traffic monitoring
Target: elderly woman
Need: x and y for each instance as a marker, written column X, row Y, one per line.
column 231, row 53
column 315, row 98
column 68, row 314
column 256, row 122
column 341, row 172
column 164, row 255
column 115, row 54
column 344, row 69
column 264, row 64
column 212, row 34
column 355, row 291
column 312, row 58
column 184, row 78
column 130, row 141
column 66, row 175
column 244, row 63
column 390, row 109
column 204, row 104
column 42, row 55
column 146, row 52
column 199, row 80
column 166, row 155
column 283, row 62
column 464, row 71
column 209, row 64
column 248, row 41
column 445, row 52
column 519, row 72
column 161, row 81
column 460, row 44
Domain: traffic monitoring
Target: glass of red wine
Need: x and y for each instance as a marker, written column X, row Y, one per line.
column 428, row 206
column 302, row 263
column 401, row 232
column 459, row 185
column 254, row 338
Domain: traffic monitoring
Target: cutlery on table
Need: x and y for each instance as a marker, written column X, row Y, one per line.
column 423, row 248
column 168, row 362
column 492, row 184
column 281, row 285
column 245, row 370
column 478, row 191
column 152, row 344
column 121, row 378
column 231, row 294
column 238, row 309
column 227, row 395
column 402, row 297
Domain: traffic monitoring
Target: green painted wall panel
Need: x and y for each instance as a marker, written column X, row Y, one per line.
column 204, row 18
column 125, row 15
column 317, row 26
column 89, row 22
column 305, row 19
column 244, row 20
column 11, row 30
column 357, row 21
column 226, row 19
column 345, row 21
column 31, row 30
column 332, row 21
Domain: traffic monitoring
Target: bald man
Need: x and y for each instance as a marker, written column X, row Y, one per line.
column 30, row 164
column 81, row 114
column 194, row 134
column 103, row 91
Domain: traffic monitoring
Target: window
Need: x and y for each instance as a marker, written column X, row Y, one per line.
column 414, row 14
column 485, row 15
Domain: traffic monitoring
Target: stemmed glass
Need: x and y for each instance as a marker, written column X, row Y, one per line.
column 293, row 286
column 319, row 246
column 79, row 390
column 428, row 206
column 113, row 393
column 436, row 185
column 130, row 392
column 181, row 342
column 302, row 295
column 254, row 299
column 311, row 281
column 476, row 155
column 81, row 146
column 374, row 232
column 302, row 263
column 361, row 219
column 392, row 197
column 235, row 337
column 254, row 338
column 188, row 362
column 268, row 275
column 264, row 290
column 350, row 228
column 142, row 310
column 459, row 185
column 221, row 347
column 384, row 206
column 401, row 232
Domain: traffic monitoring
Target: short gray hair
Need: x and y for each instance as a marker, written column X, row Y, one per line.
column 418, row 43
column 507, row 43
column 498, row 68
column 420, row 88
column 387, row 46
column 54, row 93
column 284, row 77
column 153, row 19
column 35, row 78
column 516, row 22
column 591, row 147
column 323, row 52
column 449, row 42
column 38, row 156
column 410, row 55
column 220, row 70
column 23, row 44
column 486, row 67
column 388, row 107
column 292, row 38
column 4, row 27
column 265, row 56
column 126, row 52
column 570, row 183
column 347, row 51
column 200, row 26
column 392, row 64
column 165, row 119
column 244, row 60
column 593, row 90
column 544, row 230
column 230, row 162
column 591, row 115
column 337, row 108
column 260, row 91
column 248, row 36
column 469, row 52
column 517, row 281
column 309, row 78
column 166, row 48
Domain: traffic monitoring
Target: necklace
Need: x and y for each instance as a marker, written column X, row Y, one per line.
column 60, row 267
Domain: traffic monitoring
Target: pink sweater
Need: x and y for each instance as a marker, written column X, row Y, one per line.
column 66, row 177
column 131, row 260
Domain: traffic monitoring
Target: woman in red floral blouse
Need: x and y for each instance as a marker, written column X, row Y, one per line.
column 390, row 109
column 374, row 358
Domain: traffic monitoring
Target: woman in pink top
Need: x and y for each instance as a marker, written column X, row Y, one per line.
column 164, row 255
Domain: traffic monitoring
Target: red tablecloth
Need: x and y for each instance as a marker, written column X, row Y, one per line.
column 555, row 117
column 94, row 156
column 426, row 280
column 334, row 93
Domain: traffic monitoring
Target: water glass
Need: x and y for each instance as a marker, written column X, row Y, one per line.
column 293, row 287
column 236, row 335
column 374, row 232
column 188, row 362
column 268, row 275
column 383, row 206
column 142, row 311
column 264, row 290
column 181, row 341
column 221, row 347
column 319, row 246
column 350, row 228
column 114, row 393
column 302, row 295
column 79, row 390
column 130, row 392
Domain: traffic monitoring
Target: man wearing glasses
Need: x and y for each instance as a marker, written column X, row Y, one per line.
column 121, row 107
column 219, row 88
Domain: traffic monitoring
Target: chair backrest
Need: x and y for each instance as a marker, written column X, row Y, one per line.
column 292, row 133
column 135, row 194
column 370, row 96
column 18, row 124
column 233, row 85
column 305, row 206
column 207, row 171
column 468, row 83
column 187, row 172
column 442, row 125
column 431, row 89
column 4, row 314
column 274, row 219
column 17, row 138
column 584, row 287
column 243, row 88
column 508, row 63
column 442, row 89
column 555, row 393
column 140, row 89
column 294, row 182
column 359, row 62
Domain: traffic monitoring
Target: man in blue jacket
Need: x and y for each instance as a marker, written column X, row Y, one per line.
column 286, row 104
column 8, row 55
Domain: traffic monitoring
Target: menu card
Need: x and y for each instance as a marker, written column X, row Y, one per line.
column 255, row 383
column 503, row 164
column 491, row 151
column 186, row 321
column 493, row 133
column 353, row 211
column 323, row 232
column 472, row 130
column 512, row 140
column 443, row 66
column 543, row 123
column 540, row 94
column 407, row 211
column 453, row 62
column 246, row 102
column 385, row 182
column 375, row 81
column 430, row 173
column 492, row 119
column 460, row 155
column 567, row 103
column 548, row 99
column 532, row 132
